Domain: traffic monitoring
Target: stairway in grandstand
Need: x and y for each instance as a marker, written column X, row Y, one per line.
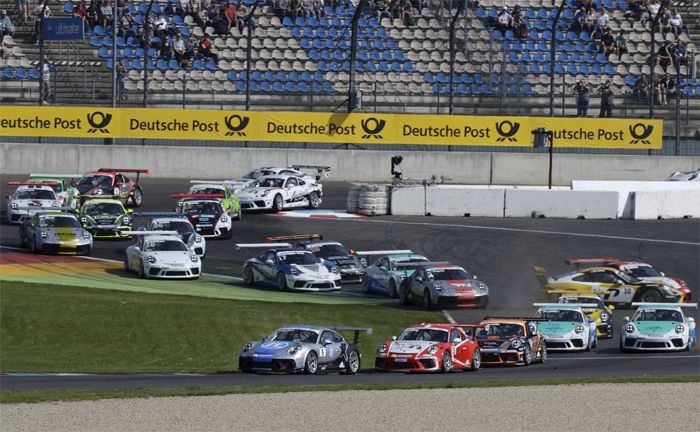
column 304, row 63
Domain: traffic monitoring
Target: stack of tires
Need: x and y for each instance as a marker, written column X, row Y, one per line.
column 353, row 197
column 373, row 200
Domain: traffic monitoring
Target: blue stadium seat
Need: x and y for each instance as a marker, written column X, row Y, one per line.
column 429, row 78
column 162, row 65
column 174, row 65
column 256, row 76
column 584, row 69
column 132, row 42
column 33, row 74
column 303, row 87
column 571, row 69
column 254, row 87
column 95, row 41
column 601, row 58
column 318, row 77
column 129, row 53
column 107, row 41
column 8, row 74
column 67, row 9
column 240, row 87
column 136, row 64
column 198, row 65
column 534, row 68
column 630, row 81
column 609, row 70
column 266, row 87
column 212, row 66
column 277, row 87
column 290, row 87
column 558, row 69
column 20, row 73
column 231, row 75
column 103, row 53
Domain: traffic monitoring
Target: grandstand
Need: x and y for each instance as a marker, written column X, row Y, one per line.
column 303, row 63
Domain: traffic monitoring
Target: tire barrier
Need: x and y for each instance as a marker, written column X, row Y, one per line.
column 372, row 199
column 353, row 196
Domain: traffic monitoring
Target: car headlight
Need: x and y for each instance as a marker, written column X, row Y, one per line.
column 295, row 349
column 44, row 234
column 194, row 258
column 56, row 204
column 335, row 270
column 382, row 348
column 264, row 193
column 604, row 317
column 198, row 239
column 294, row 271
column 83, row 220
column 403, row 276
column 247, row 347
column 224, row 218
column 151, row 259
column 363, row 262
column 517, row 343
column 126, row 220
column 629, row 328
column 14, row 206
column 99, row 192
column 438, row 286
column 432, row 350
column 86, row 235
column 680, row 328
column 482, row 287
column 580, row 329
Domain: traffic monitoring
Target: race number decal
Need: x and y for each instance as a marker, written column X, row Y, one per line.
column 322, row 352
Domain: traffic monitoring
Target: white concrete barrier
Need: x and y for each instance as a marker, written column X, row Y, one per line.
column 561, row 204
column 408, row 201
column 668, row 204
column 464, row 201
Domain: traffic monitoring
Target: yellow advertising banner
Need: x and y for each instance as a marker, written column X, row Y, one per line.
column 324, row 127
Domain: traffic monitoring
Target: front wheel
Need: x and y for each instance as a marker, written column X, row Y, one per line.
column 137, row 197
column 393, row 292
column 277, row 204
column 352, row 365
column 527, row 357
column 311, row 363
column 281, row 282
column 248, row 277
column 427, row 301
column 366, row 287
column 543, row 352
column 651, row 296
column 403, row 295
column 314, row 200
column 476, row 360
column 446, row 363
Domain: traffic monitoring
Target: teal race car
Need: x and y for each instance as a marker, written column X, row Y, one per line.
column 659, row 327
column 567, row 328
column 385, row 275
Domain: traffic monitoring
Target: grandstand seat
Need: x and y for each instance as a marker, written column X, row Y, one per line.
column 8, row 74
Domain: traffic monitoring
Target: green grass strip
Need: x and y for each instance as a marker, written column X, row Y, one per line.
column 36, row 396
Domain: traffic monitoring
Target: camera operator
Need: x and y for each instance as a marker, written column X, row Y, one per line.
column 582, row 89
column 606, row 99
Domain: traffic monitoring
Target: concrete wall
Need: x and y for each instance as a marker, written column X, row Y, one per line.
column 349, row 165
column 561, row 204
column 667, row 204
column 461, row 201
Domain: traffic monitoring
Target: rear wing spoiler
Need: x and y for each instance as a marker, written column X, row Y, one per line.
column 33, row 183
column 262, row 245
column 321, row 171
column 55, row 175
column 510, row 318
column 195, row 195
column 687, row 305
column 357, row 331
column 137, row 171
column 559, row 305
column 89, row 197
column 294, row 237
column 384, row 252
column 159, row 214
column 147, row 233
column 578, row 261
column 430, row 263
column 56, row 209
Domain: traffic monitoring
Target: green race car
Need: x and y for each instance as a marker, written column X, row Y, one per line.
column 62, row 185
column 221, row 190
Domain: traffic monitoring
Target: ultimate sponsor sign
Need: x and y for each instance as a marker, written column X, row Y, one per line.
column 62, row 28
column 338, row 128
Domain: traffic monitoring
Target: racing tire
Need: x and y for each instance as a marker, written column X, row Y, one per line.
column 239, row 216
column 543, row 352
column 427, row 301
column 689, row 345
column 403, row 295
column 651, row 296
column 446, row 362
column 314, row 200
column 311, row 363
column 622, row 347
column 137, row 197
column 248, row 275
column 393, row 292
column 277, row 204
column 366, row 286
column 476, row 361
column 32, row 245
column 483, row 302
column 140, row 272
column 527, row 357
column 281, row 282
column 126, row 264
column 352, row 363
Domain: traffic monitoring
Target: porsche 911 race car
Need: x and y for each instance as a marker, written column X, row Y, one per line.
column 206, row 213
column 612, row 285
column 350, row 265
column 659, row 326
column 161, row 254
column 567, row 328
column 431, row 348
column 112, row 181
column 385, row 275
column 295, row 170
column 443, row 285
column 63, row 185
column 693, row 175
column 287, row 268
column 28, row 199
column 304, row 348
column 105, row 218
column 227, row 195
column 55, row 232
column 594, row 308
column 176, row 222
column 511, row 341
column 281, row 192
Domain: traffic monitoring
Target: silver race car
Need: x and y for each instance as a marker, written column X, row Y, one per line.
column 294, row 170
column 55, row 232
column 28, row 199
column 303, row 348
column 659, row 327
column 281, row 192
column 171, row 221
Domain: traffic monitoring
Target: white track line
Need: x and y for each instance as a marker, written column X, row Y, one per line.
column 448, row 317
column 627, row 357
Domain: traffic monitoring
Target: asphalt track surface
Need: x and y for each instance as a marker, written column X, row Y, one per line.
column 501, row 252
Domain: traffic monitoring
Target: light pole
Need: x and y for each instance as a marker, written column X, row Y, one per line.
column 542, row 138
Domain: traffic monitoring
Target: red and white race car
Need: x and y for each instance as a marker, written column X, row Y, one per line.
column 431, row 348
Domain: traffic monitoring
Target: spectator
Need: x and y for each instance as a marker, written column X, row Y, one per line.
column 280, row 8
column 179, row 49
column 22, row 10
column 601, row 25
column 621, row 43
column 46, row 79
column 664, row 56
column 127, row 25
column 408, row 15
column 519, row 24
column 243, row 19
column 503, row 20
column 590, row 21
column 80, row 11
column 166, row 50
column 121, row 76
column 659, row 91
column 106, row 14
column 680, row 54
column 607, row 43
column 160, row 26
column 583, row 92
column 92, row 14
column 318, row 8
column 205, row 49
column 650, row 12
column 381, row 8
column 6, row 27
column 578, row 21
column 307, row 9
column 37, row 19
column 606, row 99
column 294, row 10
column 641, row 89
column 2, row 48
column 676, row 23
column 669, row 85
column 229, row 14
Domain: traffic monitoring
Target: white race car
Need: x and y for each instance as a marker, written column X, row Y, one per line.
column 28, row 199
column 161, row 254
column 658, row 326
column 281, row 192
column 693, row 176
column 567, row 327
column 176, row 222
column 294, row 170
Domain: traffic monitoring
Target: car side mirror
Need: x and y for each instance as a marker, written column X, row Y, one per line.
column 73, row 183
column 419, row 279
column 456, row 340
column 270, row 262
column 393, row 338
column 475, row 277
column 130, row 210
column 611, row 307
column 691, row 319
column 662, row 274
column 326, row 342
column 627, row 319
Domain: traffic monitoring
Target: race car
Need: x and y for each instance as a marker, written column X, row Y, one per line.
column 511, row 341
column 287, row 268
column 62, row 184
column 693, row 175
column 112, row 181
column 594, row 308
column 161, row 254
column 303, row 348
column 659, row 326
column 442, row 285
column 206, row 213
column 179, row 223
column 29, row 198
column 227, row 195
column 387, row 272
column 431, row 348
column 350, row 265
column 639, row 270
column 55, row 232
column 612, row 285
column 294, row 170
column 105, row 217
column 281, row 192
column 567, row 328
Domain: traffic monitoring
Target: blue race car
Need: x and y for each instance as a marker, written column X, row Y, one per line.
column 387, row 273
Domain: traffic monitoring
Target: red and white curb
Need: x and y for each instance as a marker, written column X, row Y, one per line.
column 321, row 214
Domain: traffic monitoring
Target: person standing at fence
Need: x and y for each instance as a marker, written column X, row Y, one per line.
column 606, row 99
column 46, row 78
column 583, row 93
column 121, row 76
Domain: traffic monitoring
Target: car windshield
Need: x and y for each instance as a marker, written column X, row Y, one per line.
column 96, row 180
column 104, row 208
column 627, row 277
column 594, row 302
column 181, row 227
column 407, row 264
column 164, row 246
column 301, row 258
column 201, row 207
column 502, row 330
column 449, row 274
column 58, row 222
column 424, row 334
column 56, row 186
column 560, row 315
column 658, row 315
column 295, row 335
column 330, row 250
column 207, row 190
column 38, row 194
column 642, row 272
column 273, row 182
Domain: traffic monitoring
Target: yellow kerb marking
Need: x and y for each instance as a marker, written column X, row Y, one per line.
column 71, row 268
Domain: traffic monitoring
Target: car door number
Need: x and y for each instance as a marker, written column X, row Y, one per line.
column 323, row 352
column 615, row 293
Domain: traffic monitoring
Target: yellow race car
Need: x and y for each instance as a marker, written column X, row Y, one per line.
column 601, row 313
column 106, row 218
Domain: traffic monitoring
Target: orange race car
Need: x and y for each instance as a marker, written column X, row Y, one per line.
column 511, row 340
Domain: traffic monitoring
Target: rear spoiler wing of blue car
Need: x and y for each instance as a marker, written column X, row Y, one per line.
column 357, row 331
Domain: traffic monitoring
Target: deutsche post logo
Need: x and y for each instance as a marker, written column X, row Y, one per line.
column 372, row 127
column 640, row 132
column 236, row 124
column 507, row 130
column 99, row 122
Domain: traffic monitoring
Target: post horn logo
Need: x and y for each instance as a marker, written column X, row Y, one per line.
column 372, row 127
column 640, row 132
column 99, row 122
column 513, row 128
column 238, row 126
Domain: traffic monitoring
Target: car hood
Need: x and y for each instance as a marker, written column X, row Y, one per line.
column 311, row 269
column 556, row 327
column 172, row 257
column 458, row 285
column 409, row 347
column 33, row 203
column 64, row 234
column 655, row 327
column 270, row 348
column 662, row 280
